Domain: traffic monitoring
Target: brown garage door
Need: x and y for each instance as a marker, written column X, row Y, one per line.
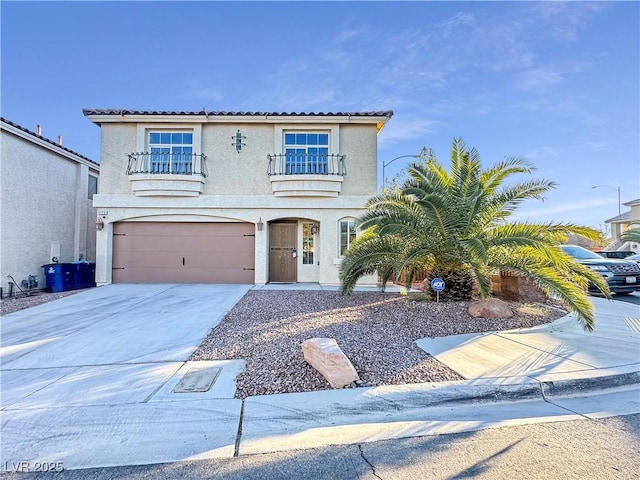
column 176, row 252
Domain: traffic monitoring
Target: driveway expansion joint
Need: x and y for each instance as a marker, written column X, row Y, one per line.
column 236, row 449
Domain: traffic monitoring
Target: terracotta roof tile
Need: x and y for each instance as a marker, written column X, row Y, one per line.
column 385, row 113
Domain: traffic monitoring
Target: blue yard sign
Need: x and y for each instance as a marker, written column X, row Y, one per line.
column 438, row 285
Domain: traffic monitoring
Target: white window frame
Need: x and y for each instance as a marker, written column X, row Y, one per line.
column 143, row 130
column 347, row 220
column 92, row 181
column 174, row 163
column 333, row 130
column 313, row 243
column 306, row 164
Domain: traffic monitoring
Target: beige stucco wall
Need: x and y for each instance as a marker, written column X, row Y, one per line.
column 43, row 202
column 214, row 208
column 359, row 143
column 118, row 140
column 244, row 173
column 233, row 173
column 238, row 188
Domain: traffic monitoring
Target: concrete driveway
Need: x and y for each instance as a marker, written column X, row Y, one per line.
column 106, row 361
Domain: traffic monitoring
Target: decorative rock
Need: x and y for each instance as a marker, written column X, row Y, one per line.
column 325, row 356
column 490, row 308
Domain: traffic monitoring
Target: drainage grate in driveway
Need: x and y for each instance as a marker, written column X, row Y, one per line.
column 632, row 323
column 197, row 381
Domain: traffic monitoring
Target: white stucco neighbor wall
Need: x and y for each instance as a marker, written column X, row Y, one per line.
column 238, row 187
column 43, row 203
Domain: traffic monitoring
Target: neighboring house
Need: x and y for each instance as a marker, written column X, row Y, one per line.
column 46, row 213
column 620, row 223
column 226, row 197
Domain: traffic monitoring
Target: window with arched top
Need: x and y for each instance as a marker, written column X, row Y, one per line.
column 347, row 233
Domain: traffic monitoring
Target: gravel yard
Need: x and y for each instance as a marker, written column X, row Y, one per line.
column 376, row 331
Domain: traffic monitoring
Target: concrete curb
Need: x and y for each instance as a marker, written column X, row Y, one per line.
column 291, row 421
column 421, row 395
column 578, row 386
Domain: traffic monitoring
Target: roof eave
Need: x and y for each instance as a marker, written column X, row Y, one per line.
column 114, row 116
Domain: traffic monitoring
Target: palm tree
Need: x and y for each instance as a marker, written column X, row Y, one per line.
column 453, row 224
column 632, row 234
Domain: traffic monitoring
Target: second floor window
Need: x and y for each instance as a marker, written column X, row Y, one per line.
column 306, row 152
column 170, row 152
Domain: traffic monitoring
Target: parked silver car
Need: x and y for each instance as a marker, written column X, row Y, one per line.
column 635, row 257
column 623, row 276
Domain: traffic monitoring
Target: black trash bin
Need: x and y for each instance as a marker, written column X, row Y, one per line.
column 60, row 277
column 85, row 274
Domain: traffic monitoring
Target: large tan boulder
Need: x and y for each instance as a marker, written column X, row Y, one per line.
column 490, row 308
column 325, row 356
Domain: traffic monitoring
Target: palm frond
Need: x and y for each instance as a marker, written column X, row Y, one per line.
column 456, row 219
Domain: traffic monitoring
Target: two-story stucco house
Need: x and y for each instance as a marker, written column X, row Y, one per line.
column 46, row 214
column 231, row 197
column 622, row 222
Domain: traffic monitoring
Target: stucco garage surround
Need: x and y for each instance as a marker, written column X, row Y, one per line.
column 182, row 252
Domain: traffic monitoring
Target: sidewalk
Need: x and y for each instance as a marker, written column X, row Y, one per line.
column 554, row 372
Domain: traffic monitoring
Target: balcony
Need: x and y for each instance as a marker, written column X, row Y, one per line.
column 306, row 175
column 167, row 174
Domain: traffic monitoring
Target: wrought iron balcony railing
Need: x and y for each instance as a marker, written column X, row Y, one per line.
column 167, row 163
column 306, row 164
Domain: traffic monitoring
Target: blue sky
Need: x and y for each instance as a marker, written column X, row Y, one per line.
column 555, row 83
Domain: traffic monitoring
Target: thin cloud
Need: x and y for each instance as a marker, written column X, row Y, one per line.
column 542, row 152
column 584, row 205
column 407, row 128
column 538, row 79
column 565, row 20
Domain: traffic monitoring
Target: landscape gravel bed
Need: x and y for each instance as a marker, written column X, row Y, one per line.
column 376, row 331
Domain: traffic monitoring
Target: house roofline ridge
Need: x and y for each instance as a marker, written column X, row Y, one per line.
column 203, row 112
column 48, row 141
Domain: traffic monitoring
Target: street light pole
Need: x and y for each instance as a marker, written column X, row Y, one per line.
column 385, row 164
column 615, row 188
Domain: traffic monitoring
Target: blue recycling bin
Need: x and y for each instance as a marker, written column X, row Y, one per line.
column 60, row 277
column 85, row 274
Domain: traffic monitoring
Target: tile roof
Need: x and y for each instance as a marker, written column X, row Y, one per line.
column 623, row 217
column 385, row 113
column 34, row 134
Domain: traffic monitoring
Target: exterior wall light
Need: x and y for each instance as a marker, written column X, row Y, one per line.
column 238, row 137
column 99, row 224
column 260, row 225
column 315, row 228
